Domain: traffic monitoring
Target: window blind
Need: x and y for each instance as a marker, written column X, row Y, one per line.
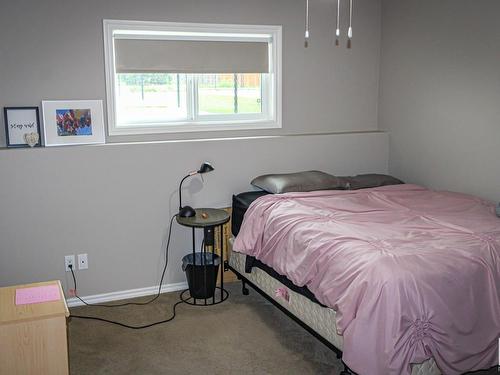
column 190, row 56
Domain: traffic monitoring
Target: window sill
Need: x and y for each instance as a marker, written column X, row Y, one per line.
column 196, row 127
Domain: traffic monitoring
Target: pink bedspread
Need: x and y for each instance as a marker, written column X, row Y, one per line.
column 412, row 273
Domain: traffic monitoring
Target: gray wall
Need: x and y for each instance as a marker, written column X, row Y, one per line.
column 440, row 93
column 54, row 50
column 114, row 201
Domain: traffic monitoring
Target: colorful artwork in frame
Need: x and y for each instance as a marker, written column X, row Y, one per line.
column 73, row 122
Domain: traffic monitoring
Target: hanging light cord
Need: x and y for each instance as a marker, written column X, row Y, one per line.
column 337, row 31
column 349, row 32
column 307, row 22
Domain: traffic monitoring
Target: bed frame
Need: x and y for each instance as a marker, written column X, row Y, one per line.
column 328, row 344
column 319, row 321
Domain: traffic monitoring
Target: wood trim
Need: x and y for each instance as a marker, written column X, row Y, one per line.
column 229, row 276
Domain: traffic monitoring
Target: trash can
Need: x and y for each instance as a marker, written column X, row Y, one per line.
column 202, row 277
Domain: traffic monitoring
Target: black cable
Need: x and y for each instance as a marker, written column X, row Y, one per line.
column 131, row 303
column 129, row 326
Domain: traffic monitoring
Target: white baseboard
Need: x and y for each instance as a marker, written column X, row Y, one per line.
column 125, row 294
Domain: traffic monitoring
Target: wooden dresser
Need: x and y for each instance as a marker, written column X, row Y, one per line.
column 33, row 337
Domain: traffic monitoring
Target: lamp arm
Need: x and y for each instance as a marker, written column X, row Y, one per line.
column 180, row 187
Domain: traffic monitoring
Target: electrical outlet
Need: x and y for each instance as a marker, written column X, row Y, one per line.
column 69, row 260
column 83, row 261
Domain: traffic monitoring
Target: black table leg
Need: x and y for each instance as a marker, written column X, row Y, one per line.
column 194, row 264
column 204, row 258
column 213, row 255
column 222, row 263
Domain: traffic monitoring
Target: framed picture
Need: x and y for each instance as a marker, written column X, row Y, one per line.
column 22, row 126
column 72, row 122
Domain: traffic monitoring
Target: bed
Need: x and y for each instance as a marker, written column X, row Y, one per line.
column 388, row 221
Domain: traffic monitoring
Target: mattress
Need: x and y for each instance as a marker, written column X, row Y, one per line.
column 241, row 202
column 321, row 319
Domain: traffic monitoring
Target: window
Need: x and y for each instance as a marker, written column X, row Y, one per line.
column 169, row 77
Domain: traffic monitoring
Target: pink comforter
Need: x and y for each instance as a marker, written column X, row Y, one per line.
column 412, row 273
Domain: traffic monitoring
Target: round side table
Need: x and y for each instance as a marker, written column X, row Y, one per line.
column 207, row 219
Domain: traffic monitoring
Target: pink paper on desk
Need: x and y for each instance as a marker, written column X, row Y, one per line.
column 37, row 294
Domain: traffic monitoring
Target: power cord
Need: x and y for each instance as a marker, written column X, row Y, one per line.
column 131, row 303
column 129, row 326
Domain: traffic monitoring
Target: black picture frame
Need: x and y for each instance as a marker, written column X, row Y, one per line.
column 8, row 137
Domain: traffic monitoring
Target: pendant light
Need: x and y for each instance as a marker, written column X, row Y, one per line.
column 337, row 25
column 349, row 31
column 306, row 35
column 337, row 30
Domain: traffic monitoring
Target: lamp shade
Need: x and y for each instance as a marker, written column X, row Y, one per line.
column 205, row 167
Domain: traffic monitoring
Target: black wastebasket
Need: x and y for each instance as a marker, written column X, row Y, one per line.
column 202, row 277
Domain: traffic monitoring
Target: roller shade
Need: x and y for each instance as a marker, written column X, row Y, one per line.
column 190, row 56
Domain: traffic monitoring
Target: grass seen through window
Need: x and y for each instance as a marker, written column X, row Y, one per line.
column 153, row 98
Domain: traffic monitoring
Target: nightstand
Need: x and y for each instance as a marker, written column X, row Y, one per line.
column 200, row 270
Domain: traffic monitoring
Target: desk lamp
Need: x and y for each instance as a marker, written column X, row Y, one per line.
column 188, row 211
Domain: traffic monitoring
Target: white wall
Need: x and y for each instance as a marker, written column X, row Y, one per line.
column 440, row 93
column 114, row 201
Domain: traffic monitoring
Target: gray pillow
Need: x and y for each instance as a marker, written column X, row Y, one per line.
column 364, row 181
column 297, row 182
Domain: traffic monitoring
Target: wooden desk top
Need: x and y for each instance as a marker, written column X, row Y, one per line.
column 11, row 313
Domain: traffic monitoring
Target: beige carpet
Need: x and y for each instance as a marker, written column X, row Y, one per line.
column 243, row 335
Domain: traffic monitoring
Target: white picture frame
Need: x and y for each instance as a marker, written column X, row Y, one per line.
column 73, row 122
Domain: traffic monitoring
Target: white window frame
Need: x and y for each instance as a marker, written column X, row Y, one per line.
column 271, row 116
